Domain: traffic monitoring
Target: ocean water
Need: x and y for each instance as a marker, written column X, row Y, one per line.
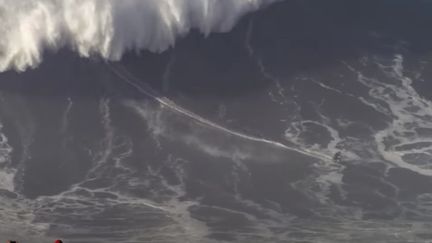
column 223, row 137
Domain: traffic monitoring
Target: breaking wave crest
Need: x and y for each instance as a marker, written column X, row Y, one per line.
column 107, row 28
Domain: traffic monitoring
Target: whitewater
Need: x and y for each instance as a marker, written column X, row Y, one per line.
column 107, row 28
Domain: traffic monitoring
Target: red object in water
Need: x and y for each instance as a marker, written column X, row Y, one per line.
column 58, row 241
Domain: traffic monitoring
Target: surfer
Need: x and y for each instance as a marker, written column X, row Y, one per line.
column 337, row 158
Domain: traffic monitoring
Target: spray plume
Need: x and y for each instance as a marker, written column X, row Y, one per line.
column 107, row 28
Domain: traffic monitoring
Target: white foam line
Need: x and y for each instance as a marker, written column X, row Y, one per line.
column 361, row 99
column 65, row 118
column 325, row 86
column 260, row 64
column 173, row 106
column 105, row 112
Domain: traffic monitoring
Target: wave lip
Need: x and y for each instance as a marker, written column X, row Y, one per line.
column 107, row 28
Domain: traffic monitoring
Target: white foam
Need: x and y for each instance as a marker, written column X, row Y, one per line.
column 407, row 109
column 7, row 180
column 107, row 28
column 7, row 172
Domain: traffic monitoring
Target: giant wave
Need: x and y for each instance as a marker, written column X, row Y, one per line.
column 107, row 28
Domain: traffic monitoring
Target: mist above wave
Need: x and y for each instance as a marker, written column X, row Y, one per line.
column 107, row 28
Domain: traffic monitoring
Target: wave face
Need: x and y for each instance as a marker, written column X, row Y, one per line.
column 311, row 121
column 107, row 28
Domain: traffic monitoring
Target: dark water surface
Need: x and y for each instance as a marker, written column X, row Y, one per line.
column 231, row 138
